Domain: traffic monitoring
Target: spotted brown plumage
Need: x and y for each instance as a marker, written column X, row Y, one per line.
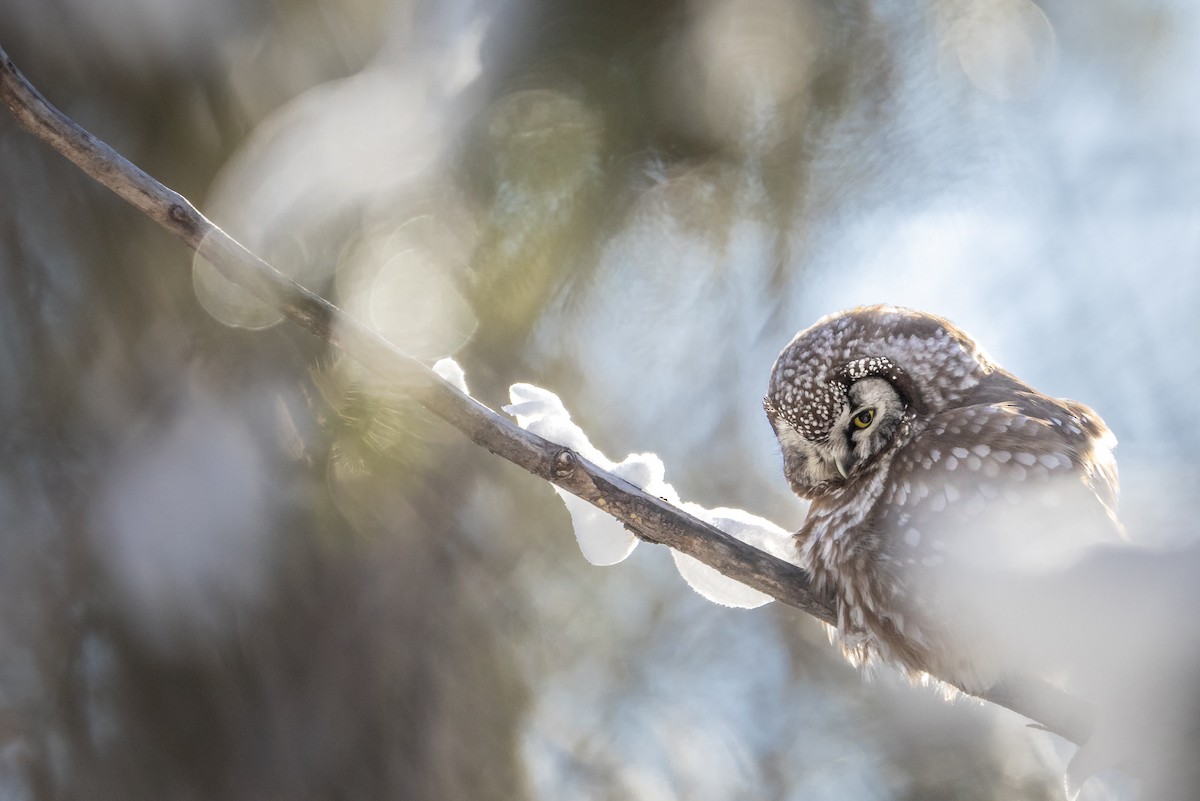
column 931, row 471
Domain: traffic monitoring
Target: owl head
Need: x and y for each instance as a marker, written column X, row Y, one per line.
column 842, row 390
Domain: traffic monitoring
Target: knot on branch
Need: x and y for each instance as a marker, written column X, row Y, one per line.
column 178, row 213
column 564, row 463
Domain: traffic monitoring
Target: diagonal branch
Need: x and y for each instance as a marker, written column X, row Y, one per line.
column 651, row 518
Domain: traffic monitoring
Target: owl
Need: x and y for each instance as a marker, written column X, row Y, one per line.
column 937, row 482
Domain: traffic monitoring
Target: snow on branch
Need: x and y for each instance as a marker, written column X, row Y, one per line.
column 644, row 513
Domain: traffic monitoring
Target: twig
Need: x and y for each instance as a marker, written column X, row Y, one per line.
column 649, row 517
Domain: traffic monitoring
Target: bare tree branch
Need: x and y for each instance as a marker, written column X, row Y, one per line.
column 651, row 518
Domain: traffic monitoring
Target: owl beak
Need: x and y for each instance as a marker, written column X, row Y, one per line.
column 844, row 463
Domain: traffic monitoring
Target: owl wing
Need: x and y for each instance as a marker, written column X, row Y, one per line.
column 1025, row 484
column 983, row 498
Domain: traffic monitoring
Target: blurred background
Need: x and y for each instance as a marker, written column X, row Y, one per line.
column 232, row 565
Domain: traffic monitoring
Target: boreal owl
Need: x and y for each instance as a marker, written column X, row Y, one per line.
column 936, row 479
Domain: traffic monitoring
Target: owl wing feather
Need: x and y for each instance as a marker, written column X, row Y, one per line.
column 1029, row 481
column 981, row 498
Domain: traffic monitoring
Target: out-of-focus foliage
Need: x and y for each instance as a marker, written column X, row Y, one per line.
column 235, row 565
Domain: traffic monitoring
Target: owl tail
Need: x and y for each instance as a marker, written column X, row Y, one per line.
column 1105, row 749
column 1086, row 762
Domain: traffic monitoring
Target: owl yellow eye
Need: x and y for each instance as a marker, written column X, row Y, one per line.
column 863, row 419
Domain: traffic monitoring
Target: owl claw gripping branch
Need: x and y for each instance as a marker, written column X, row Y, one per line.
column 934, row 476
